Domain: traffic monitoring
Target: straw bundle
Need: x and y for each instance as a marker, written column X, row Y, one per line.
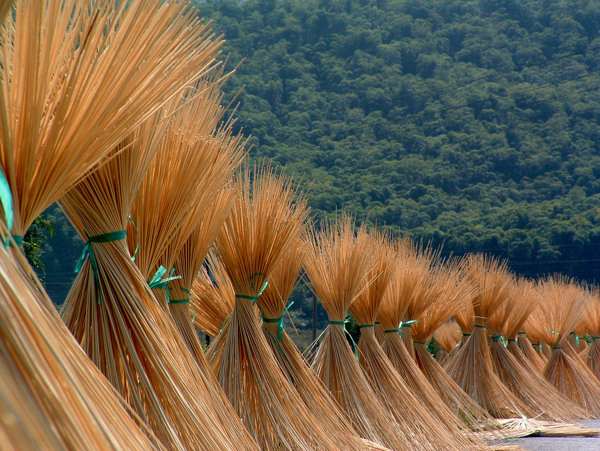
column 591, row 323
column 188, row 264
column 447, row 337
column 272, row 304
column 213, row 301
column 337, row 261
column 77, row 79
column 562, row 306
column 531, row 344
column 472, row 366
column 263, row 222
column 524, row 301
column 525, row 384
column 52, row 395
column 456, row 292
column 408, row 395
column 121, row 326
column 5, row 8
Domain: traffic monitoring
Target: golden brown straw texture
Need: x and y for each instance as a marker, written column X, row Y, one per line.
column 272, row 304
column 591, row 324
column 397, row 391
column 527, row 338
column 121, row 326
column 78, row 78
column 472, row 367
column 447, row 337
column 5, row 8
column 212, row 301
column 52, row 395
column 563, row 304
column 456, row 292
column 337, row 261
column 263, row 222
column 525, row 384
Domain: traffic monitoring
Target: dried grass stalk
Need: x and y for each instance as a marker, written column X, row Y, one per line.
column 408, row 395
column 472, row 366
column 52, row 395
column 5, row 7
column 531, row 344
column 447, row 337
column 591, row 324
column 112, row 313
column 272, row 304
column 263, row 222
column 337, row 261
column 563, row 304
column 77, row 79
column 527, row 385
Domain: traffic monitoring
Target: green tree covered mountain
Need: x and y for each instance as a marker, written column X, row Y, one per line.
column 471, row 123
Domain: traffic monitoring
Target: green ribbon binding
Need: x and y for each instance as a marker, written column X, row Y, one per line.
column 258, row 293
column 391, row 331
column 495, row 338
column 576, row 337
column 137, row 238
column 408, row 323
column 7, row 205
column 88, row 249
column 480, row 326
column 16, row 239
column 343, row 323
column 158, row 283
column 278, row 320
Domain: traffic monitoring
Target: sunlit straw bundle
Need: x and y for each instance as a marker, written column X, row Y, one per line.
column 525, row 382
column 563, row 304
column 409, row 397
column 264, row 220
column 78, row 78
column 337, row 261
column 447, row 338
column 456, row 292
column 52, row 395
column 213, row 297
column 272, row 304
column 524, row 301
column 591, row 320
column 531, row 344
column 121, row 326
column 472, row 366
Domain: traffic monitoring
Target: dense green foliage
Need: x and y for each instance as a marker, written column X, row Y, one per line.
column 471, row 123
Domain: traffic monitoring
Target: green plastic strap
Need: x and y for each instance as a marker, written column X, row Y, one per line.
column 16, row 239
column 179, row 301
column 190, row 298
column 363, row 326
column 594, row 338
column 6, row 199
column 158, row 283
column 495, row 338
column 522, row 333
column 391, row 331
column 511, row 339
column 88, row 249
column 556, row 347
column 343, row 323
column 465, row 335
column 224, row 322
column 279, row 320
column 481, row 327
column 377, row 322
column 137, row 238
column 576, row 337
column 258, row 293
column 408, row 323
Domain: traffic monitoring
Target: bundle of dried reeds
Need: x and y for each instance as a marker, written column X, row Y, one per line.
column 213, row 297
column 265, row 218
column 525, row 382
column 591, row 324
column 272, row 304
column 524, row 301
column 337, row 261
column 447, row 337
column 407, row 395
column 52, row 395
column 456, row 292
column 472, row 366
column 5, row 7
column 531, row 344
column 121, row 326
column 563, row 304
column 101, row 69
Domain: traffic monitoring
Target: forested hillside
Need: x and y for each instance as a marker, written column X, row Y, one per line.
column 471, row 123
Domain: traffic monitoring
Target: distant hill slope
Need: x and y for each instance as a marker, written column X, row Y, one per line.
column 472, row 123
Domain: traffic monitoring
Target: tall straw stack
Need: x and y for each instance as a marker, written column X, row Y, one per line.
column 409, row 397
column 52, row 395
column 447, row 337
column 525, row 384
column 272, row 304
column 472, row 366
column 101, row 70
column 531, row 343
column 337, row 261
column 112, row 313
column 591, row 320
column 456, row 292
column 264, row 221
column 563, row 304
column 213, row 297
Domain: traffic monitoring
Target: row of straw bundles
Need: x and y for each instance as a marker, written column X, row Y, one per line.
column 265, row 220
column 101, row 70
column 420, row 399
